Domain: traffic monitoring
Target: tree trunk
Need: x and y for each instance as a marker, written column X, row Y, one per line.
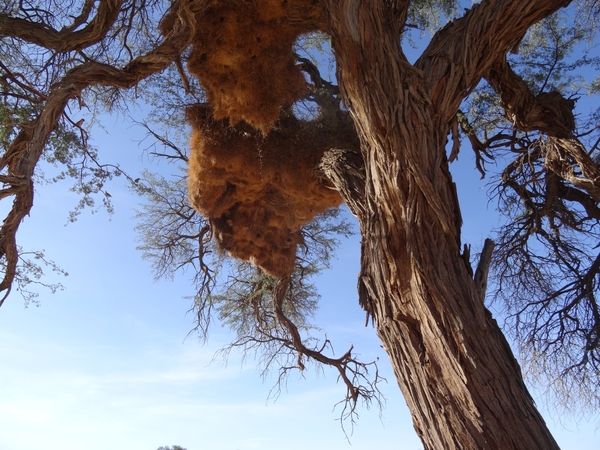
column 456, row 370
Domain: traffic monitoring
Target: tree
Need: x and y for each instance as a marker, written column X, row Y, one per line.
column 452, row 362
column 544, row 266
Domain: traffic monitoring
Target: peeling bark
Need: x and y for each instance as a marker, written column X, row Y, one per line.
column 483, row 269
column 459, row 377
column 549, row 113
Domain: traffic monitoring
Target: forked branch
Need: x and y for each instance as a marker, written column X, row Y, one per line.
column 354, row 374
column 21, row 157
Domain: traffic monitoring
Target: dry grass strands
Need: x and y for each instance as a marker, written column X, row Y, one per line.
column 242, row 55
column 258, row 191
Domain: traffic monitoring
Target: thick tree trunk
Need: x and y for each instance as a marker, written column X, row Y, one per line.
column 452, row 362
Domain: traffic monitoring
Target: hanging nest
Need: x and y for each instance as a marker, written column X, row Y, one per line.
column 253, row 169
column 258, row 191
column 242, row 53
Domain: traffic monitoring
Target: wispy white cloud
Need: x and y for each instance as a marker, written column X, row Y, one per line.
column 163, row 396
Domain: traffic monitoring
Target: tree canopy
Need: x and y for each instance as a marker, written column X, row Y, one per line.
column 522, row 98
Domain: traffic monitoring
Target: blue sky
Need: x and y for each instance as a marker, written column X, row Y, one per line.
column 107, row 363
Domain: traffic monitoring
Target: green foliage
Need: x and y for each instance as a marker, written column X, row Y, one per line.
column 11, row 115
column 547, row 59
column 68, row 150
column 29, row 277
column 428, row 16
column 177, row 241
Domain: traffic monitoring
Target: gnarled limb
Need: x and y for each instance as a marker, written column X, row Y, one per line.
column 550, row 113
column 463, row 51
column 569, row 159
column 21, row 157
column 354, row 374
column 66, row 39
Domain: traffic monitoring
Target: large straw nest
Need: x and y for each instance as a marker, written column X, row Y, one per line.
column 242, row 55
column 258, row 191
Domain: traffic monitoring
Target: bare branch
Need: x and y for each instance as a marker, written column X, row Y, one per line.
column 22, row 155
column 352, row 372
column 42, row 34
column 483, row 268
column 569, row 159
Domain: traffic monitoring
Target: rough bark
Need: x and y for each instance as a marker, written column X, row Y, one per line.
column 43, row 35
column 483, row 268
column 453, row 364
column 551, row 114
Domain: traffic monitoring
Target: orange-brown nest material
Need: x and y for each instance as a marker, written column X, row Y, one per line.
column 258, row 191
column 242, row 55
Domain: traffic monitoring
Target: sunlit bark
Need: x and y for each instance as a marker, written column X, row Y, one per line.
column 458, row 374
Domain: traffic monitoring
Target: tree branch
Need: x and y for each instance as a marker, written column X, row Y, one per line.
column 549, row 113
column 461, row 53
column 21, row 157
column 483, row 268
column 569, row 160
column 350, row 370
column 64, row 40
